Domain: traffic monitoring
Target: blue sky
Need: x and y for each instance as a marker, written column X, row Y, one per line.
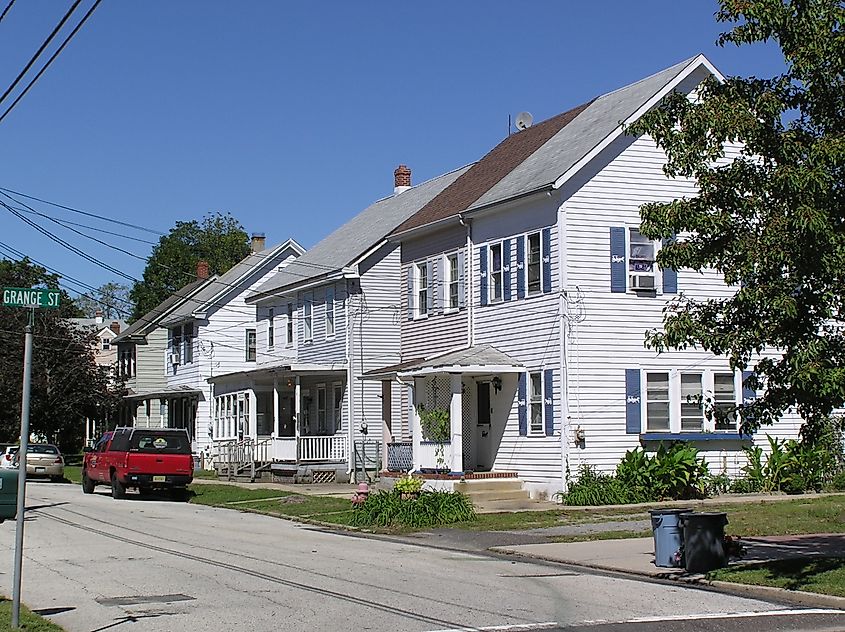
column 293, row 115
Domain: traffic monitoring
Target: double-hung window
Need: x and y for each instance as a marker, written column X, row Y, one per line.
column 724, row 400
column 535, row 397
column 307, row 316
column 188, row 343
column 289, row 327
column 423, row 288
column 692, row 402
column 641, row 261
column 495, row 286
column 106, row 344
column 452, row 287
column 321, row 409
column 271, row 330
column 250, row 345
column 534, row 266
column 176, row 345
column 657, row 401
column 330, row 312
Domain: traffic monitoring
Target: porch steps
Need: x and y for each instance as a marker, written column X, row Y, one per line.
column 503, row 494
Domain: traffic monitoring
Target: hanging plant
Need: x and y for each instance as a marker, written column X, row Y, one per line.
column 436, row 426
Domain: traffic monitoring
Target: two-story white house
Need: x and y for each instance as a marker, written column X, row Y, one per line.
column 213, row 333
column 528, row 291
column 322, row 321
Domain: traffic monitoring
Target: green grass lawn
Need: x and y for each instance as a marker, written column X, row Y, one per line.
column 824, row 575
column 73, row 473
column 28, row 621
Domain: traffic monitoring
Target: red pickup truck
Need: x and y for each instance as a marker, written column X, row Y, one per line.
column 146, row 459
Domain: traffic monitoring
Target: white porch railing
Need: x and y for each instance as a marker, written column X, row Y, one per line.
column 284, row 449
column 331, row 448
column 429, row 457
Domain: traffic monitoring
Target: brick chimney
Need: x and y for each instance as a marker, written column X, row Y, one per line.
column 401, row 179
column 115, row 326
column 98, row 316
column 257, row 242
column 202, row 269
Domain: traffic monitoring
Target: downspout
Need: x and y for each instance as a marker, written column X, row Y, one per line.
column 564, row 371
column 349, row 389
column 468, row 281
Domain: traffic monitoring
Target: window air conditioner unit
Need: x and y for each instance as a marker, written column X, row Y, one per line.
column 174, row 358
column 642, row 281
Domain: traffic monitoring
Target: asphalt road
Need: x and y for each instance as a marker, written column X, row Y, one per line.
column 92, row 563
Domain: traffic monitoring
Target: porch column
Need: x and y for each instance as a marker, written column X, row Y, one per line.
column 253, row 414
column 386, row 419
column 275, row 407
column 297, row 405
column 456, row 417
column 414, row 421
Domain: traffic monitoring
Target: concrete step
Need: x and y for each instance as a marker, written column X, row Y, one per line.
column 491, row 495
column 494, row 506
column 488, row 484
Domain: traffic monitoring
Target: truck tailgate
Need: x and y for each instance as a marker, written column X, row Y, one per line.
column 145, row 463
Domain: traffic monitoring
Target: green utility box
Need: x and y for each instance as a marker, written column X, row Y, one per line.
column 8, row 494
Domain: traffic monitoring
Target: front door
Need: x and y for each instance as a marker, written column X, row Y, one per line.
column 287, row 424
column 482, row 434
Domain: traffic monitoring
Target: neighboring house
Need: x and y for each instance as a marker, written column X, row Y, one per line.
column 141, row 355
column 528, row 291
column 213, row 333
column 322, row 321
column 105, row 354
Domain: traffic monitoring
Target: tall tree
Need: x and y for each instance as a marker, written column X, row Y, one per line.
column 67, row 384
column 218, row 239
column 112, row 299
column 769, row 158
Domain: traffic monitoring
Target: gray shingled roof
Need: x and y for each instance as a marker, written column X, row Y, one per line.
column 205, row 298
column 577, row 139
column 343, row 246
column 149, row 321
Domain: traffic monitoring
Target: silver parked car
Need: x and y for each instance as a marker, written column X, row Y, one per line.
column 44, row 460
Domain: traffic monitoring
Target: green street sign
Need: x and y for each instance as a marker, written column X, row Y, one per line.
column 30, row 297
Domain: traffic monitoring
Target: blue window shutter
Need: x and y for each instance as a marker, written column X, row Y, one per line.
column 633, row 411
column 618, row 280
column 410, row 292
column 520, row 267
column 547, row 260
column 549, row 401
column 670, row 277
column 461, row 282
column 429, row 297
column 506, row 268
column 522, row 405
column 482, row 271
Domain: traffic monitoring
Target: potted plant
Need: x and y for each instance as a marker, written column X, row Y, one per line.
column 408, row 487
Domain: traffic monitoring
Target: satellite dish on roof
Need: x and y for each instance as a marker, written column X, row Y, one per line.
column 524, row 120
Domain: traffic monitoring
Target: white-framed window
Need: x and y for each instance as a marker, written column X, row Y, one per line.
column 534, row 264
column 175, row 346
column 452, row 282
column 495, row 274
column 188, row 343
column 307, row 316
column 657, row 401
column 690, row 401
column 321, row 409
column 106, row 344
column 422, row 287
column 329, row 312
column 337, row 407
column 642, row 255
column 271, row 328
column 289, row 326
column 250, row 345
column 535, row 399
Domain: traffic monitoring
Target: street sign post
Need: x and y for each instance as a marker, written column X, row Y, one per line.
column 31, row 298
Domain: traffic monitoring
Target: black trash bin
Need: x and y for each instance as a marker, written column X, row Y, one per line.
column 704, row 541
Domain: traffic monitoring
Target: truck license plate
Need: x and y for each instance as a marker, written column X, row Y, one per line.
column 159, row 479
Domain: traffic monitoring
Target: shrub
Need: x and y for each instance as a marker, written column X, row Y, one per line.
column 745, row 486
column 408, row 485
column 673, row 472
column 429, row 509
column 716, row 484
column 837, row 482
column 594, row 488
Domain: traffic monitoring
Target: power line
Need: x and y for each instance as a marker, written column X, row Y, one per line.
column 52, row 57
column 86, row 213
column 6, row 10
column 40, row 48
column 66, row 223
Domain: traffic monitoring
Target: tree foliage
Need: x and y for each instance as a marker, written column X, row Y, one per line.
column 67, row 385
column 218, row 239
column 112, row 299
column 769, row 158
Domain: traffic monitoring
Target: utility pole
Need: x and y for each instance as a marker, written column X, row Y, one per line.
column 27, row 376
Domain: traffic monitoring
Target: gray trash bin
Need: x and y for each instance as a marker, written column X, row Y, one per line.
column 668, row 536
column 704, row 541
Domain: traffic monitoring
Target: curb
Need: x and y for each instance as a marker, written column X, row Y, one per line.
column 766, row 593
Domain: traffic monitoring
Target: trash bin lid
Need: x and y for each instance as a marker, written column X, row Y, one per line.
column 705, row 516
column 669, row 512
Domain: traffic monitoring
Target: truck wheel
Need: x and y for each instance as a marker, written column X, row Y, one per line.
column 87, row 484
column 118, row 489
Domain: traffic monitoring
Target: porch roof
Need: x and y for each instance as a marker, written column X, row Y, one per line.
column 270, row 371
column 478, row 359
column 160, row 393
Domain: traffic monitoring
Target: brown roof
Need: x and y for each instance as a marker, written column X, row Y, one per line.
column 488, row 171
